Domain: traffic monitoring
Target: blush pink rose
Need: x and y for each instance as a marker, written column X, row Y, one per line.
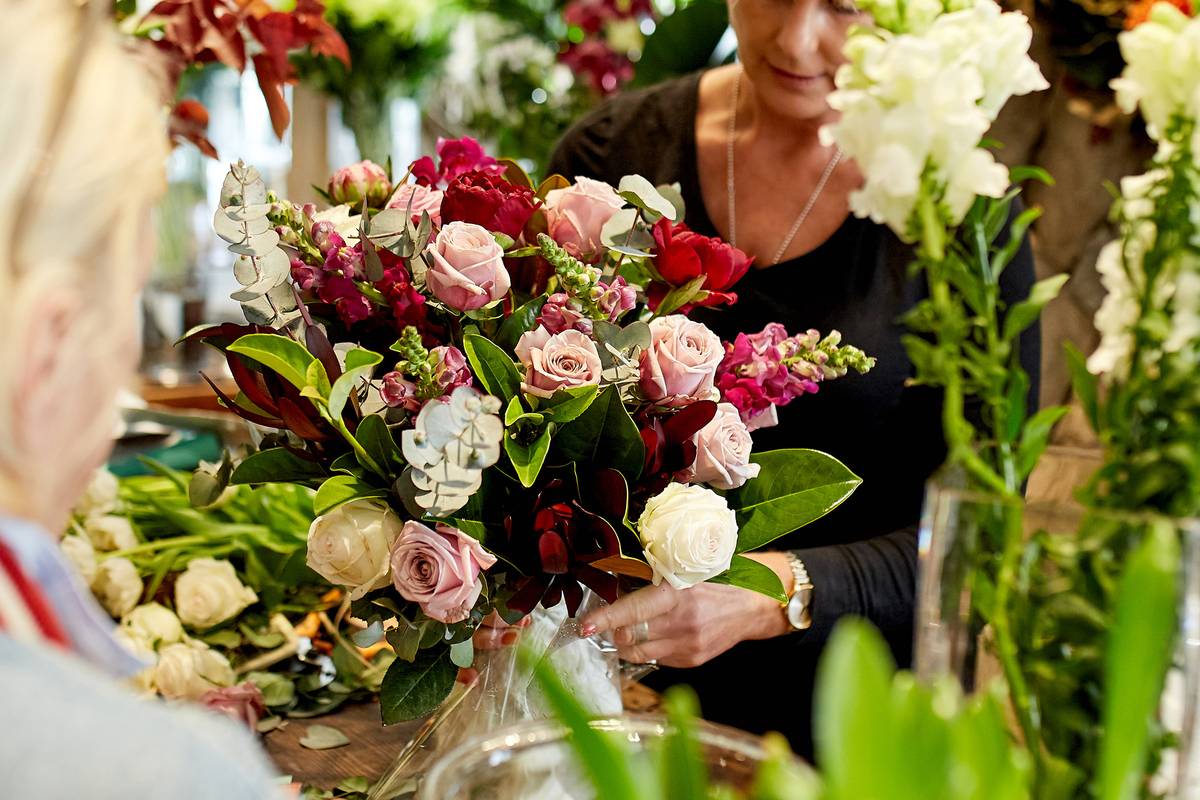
column 723, row 451
column 439, row 569
column 421, row 198
column 364, row 179
column 468, row 270
column 679, row 366
column 576, row 215
column 557, row 361
column 243, row 702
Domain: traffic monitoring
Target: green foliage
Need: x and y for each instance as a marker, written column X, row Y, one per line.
column 276, row 465
column 793, row 488
column 492, row 367
column 750, row 574
column 683, row 42
column 604, row 436
column 413, row 689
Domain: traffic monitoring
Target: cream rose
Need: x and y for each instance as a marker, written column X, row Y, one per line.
column 110, row 532
column 100, row 496
column 689, row 535
column 209, row 592
column 117, row 586
column 681, row 362
column 560, row 361
column 723, row 451
column 153, row 623
column 576, row 215
column 143, row 649
column 468, row 271
column 187, row 670
column 82, row 555
column 351, row 545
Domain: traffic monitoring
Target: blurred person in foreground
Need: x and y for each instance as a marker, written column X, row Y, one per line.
column 84, row 142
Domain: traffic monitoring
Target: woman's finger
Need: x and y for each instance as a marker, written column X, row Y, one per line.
column 639, row 632
column 655, row 650
column 647, row 603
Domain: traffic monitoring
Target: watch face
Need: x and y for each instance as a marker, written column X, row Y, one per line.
column 795, row 612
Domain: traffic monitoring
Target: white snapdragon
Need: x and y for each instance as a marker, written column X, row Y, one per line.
column 915, row 105
column 1162, row 69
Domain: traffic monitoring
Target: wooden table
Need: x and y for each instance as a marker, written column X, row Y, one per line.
column 372, row 747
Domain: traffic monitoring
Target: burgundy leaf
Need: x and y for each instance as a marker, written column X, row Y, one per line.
column 298, row 422
column 684, row 424
column 250, row 383
column 258, row 419
column 553, row 552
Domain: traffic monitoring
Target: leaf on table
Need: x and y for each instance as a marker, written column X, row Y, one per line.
column 268, row 724
column 323, row 737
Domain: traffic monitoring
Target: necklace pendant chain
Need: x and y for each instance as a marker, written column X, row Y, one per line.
column 731, row 184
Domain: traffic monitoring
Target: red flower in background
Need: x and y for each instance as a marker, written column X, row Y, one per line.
column 488, row 200
column 684, row 255
column 605, row 68
column 456, row 157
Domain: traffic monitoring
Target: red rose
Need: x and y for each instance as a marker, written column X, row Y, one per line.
column 683, row 255
column 406, row 303
column 489, row 201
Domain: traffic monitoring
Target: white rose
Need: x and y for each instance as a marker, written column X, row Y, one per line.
column 153, row 623
column 209, row 592
column 117, row 586
column 723, row 451
column 100, row 496
column 139, row 646
column 689, row 535
column 82, row 555
column 109, row 532
column 189, row 669
column 351, row 545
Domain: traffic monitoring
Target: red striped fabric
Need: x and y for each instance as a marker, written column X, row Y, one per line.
column 35, row 603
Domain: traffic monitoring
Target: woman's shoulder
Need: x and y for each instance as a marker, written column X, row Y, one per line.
column 629, row 132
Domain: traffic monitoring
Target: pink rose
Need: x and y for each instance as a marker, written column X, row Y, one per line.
column 439, row 569
column 364, row 179
column 421, row 198
column 243, row 702
column 723, row 451
column 468, row 270
column 577, row 214
column 679, row 366
column 559, row 361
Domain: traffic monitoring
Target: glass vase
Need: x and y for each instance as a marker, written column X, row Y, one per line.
column 1057, row 607
column 533, row 761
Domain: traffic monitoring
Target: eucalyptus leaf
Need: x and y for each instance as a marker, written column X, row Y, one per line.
column 641, row 193
column 793, row 488
column 323, row 737
column 463, row 654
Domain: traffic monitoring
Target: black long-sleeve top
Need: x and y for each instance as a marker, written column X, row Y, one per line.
column 862, row 558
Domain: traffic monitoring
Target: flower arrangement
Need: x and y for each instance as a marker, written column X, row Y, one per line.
column 546, row 417
column 218, row 600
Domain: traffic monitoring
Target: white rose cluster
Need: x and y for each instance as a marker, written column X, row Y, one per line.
column 1162, row 69
column 178, row 666
column 689, row 535
column 209, row 592
column 916, row 101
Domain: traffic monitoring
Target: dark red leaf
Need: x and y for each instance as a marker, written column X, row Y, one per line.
column 554, row 554
column 599, row 582
column 298, row 422
column 241, row 412
column 684, row 424
column 189, row 123
column 250, row 383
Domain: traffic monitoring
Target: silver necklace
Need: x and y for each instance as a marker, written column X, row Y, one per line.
column 730, row 184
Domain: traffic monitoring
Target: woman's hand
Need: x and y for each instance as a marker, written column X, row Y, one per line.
column 688, row 627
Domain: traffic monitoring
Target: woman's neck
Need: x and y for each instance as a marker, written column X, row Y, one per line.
column 773, row 134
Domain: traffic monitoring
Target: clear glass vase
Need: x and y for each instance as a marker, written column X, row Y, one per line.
column 1059, row 600
column 533, row 761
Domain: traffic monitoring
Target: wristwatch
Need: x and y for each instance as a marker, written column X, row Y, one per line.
column 799, row 606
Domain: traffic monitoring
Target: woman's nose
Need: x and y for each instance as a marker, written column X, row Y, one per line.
column 800, row 32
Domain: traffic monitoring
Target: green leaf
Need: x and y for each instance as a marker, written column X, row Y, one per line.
column 226, row 638
column 683, row 42
column 342, row 489
column 284, row 356
column 566, row 405
column 1025, row 313
column 794, row 488
column 277, row 689
column 376, row 438
column 641, row 193
column 684, row 773
column 680, row 296
column 492, row 367
column 1016, row 234
column 1036, row 436
column 412, row 690
column 513, row 411
column 1085, row 384
column 463, row 654
column 853, row 728
column 276, row 465
column 357, row 784
column 522, row 320
column 359, row 364
column 750, row 574
column 528, row 459
column 604, row 436
column 1136, row 660
column 323, row 737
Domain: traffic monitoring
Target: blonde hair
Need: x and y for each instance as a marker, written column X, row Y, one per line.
column 83, row 136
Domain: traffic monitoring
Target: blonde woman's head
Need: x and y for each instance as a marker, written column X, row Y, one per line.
column 83, row 138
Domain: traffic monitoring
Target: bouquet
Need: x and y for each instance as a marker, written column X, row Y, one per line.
column 498, row 396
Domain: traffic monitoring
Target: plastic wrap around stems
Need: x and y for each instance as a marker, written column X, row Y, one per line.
column 1071, row 563
column 504, row 693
